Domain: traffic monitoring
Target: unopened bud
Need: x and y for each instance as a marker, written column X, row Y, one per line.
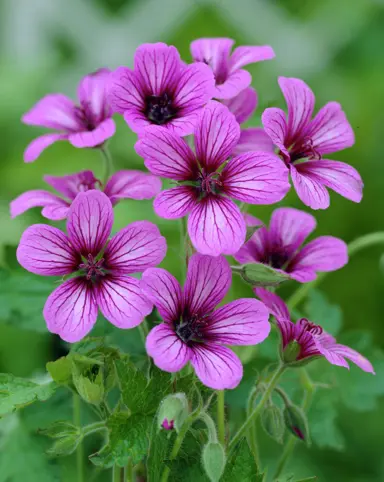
column 168, row 425
column 296, row 422
column 214, row 460
column 173, row 411
column 258, row 274
column 89, row 380
column 272, row 421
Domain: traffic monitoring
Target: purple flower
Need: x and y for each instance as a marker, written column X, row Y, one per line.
column 168, row 425
column 208, row 181
column 121, row 185
column 251, row 138
column 311, row 339
column 230, row 78
column 160, row 90
column 86, row 125
column 303, row 142
column 193, row 331
column 102, row 267
column 279, row 246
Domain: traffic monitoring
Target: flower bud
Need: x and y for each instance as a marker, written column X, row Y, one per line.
column 272, row 421
column 296, row 422
column 258, row 274
column 291, row 352
column 173, row 411
column 89, row 381
column 214, row 460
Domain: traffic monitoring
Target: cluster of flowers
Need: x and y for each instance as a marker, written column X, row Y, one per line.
column 164, row 100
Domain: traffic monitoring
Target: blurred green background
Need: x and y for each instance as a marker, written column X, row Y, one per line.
column 336, row 46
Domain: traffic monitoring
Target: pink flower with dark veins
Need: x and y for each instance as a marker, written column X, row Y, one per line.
column 310, row 340
column 101, row 267
column 304, row 141
column 88, row 124
column 121, row 185
column 193, row 330
column 160, row 90
column 230, row 77
column 210, row 179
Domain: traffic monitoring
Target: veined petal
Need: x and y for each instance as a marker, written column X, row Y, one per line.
column 37, row 146
column 89, row 223
column 137, row 120
column 32, row 199
column 311, row 192
column 72, row 184
column 216, row 226
column 71, row 311
column 208, row 281
column 47, row 251
column 169, row 353
column 254, row 139
column 274, row 303
column 241, row 322
column 214, row 52
column 275, row 125
column 132, row 185
column 92, row 94
column 336, row 354
column 164, row 291
column 95, row 137
column 135, row 248
column 124, row 90
column 175, row 202
column 256, row 178
column 255, row 248
column 234, row 83
column 195, row 87
column 121, row 301
column 243, row 105
column 216, row 366
column 246, row 55
column 55, row 212
column 216, row 135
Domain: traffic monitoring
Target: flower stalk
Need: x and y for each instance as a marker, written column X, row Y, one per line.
column 221, row 416
column 80, row 447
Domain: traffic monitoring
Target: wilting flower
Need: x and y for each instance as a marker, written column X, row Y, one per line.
column 88, row 124
column 102, row 268
column 121, row 185
column 251, row 138
column 311, row 340
column 303, row 143
column 208, row 181
column 280, row 246
column 193, row 331
column 230, row 78
column 160, row 90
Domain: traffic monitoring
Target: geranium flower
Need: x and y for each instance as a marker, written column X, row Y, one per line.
column 160, row 90
column 193, row 331
column 251, row 138
column 102, row 268
column 303, row 143
column 280, row 246
column 121, row 185
column 230, row 78
column 310, row 340
column 86, row 125
column 208, row 181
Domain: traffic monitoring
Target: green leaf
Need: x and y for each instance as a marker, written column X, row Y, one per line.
column 258, row 274
column 241, row 466
column 61, row 370
column 160, row 445
column 16, row 392
column 320, row 311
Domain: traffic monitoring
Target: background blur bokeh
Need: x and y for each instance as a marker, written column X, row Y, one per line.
column 336, row 46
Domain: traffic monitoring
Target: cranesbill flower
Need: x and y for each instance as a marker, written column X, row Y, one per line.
column 208, row 182
column 121, row 185
column 230, row 78
column 280, row 246
column 304, row 340
column 193, row 330
column 101, row 267
column 303, row 143
column 88, row 124
column 160, row 90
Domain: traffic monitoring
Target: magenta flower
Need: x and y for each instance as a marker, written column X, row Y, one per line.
column 121, row 185
column 310, row 339
column 193, row 331
column 251, row 138
column 303, row 142
column 86, row 125
column 208, row 182
column 280, row 246
column 160, row 90
column 102, row 267
column 168, row 425
column 230, row 78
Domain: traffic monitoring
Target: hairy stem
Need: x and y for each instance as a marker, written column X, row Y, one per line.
column 108, row 163
column 93, row 427
column 80, row 447
column 252, row 434
column 116, row 473
column 221, row 416
column 210, row 424
column 129, row 472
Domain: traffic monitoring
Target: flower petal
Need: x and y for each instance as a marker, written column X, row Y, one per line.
column 169, row 353
column 256, row 178
column 254, row 139
column 311, row 192
column 121, row 301
column 216, row 226
column 195, row 87
column 246, row 55
column 336, row 354
column 92, row 94
column 175, row 202
column 216, row 135
column 274, row 303
column 255, row 248
column 208, row 281
column 234, row 83
column 132, row 185
column 243, row 105
column 137, row 120
column 36, row 198
column 37, row 146
column 241, row 322
column 55, row 212
column 164, row 291
column 72, row 184
column 124, row 90
column 216, row 366
column 166, row 154
column 47, row 251
column 89, row 223
column 275, row 125
column 94, row 138
column 214, row 52
column 135, row 248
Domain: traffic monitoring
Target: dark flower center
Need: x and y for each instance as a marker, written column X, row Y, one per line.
column 93, row 269
column 159, row 109
column 209, row 183
column 304, row 149
column 277, row 259
column 190, row 329
column 310, row 327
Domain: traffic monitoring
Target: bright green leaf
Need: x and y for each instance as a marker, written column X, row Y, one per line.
column 241, row 466
column 61, row 370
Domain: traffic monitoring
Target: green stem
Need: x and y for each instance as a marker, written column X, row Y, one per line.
column 210, row 424
column 108, row 163
column 129, row 475
column 252, row 434
column 93, row 427
column 80, row 447
column 221, row 416
column 116, row 473
column 183, row 248
column 256, row 412
column 143, row 328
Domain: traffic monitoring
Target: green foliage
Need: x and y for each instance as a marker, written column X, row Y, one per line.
column 323, row 313
column 241, row 465
column 272, row 421
column 296, row 422
column 213, row 458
